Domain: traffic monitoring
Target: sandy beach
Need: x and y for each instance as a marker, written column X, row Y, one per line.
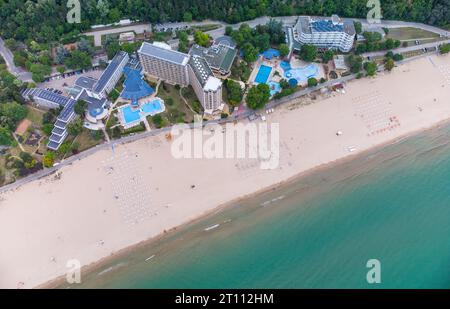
column 117, row 198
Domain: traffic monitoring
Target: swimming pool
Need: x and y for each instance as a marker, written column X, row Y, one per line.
column 300, row 74
column 153, row 107
column 274, row 87
column 132, row 116
column 263, row 74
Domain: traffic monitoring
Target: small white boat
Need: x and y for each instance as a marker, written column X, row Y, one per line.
column 209, row 228
column 149, row 258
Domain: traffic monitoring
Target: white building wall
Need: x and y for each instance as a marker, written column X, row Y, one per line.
column 168, row 71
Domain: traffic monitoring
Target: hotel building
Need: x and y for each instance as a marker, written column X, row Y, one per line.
column 324, row 33
column 175, row 67
column 160, row 61
column 88, row 89
column 207, row 87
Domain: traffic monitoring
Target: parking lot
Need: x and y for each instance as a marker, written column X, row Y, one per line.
column 59, row 83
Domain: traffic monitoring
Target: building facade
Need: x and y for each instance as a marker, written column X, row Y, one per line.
column 324, row 33
column 162, row 62
column 207, row 87
column 94, row 92
column 184, row 69
column 110, row 76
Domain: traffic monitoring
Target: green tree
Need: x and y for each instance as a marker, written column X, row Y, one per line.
column 47, row 128
column 444, row 48
column 28, row 161
column 80, row 107
column 39, row 71
column 308, row 52
column 234, row 92
column 389, row 64
column 157, row 120
column 284, row 50
column 187, row 16
column 371, row 68
column 5, row 137
column 85, row 46
column 250, row 53
column 75, row 127
column 228, row 30
column 327, row 56
column 398, row 57
column 258, row 96
column 201, row 38
column 78, row 60
column 49, row 159
column 11, row 113
column 355, row 63
column 358, row 27
column 64, row 148
column 312, row 82
column 112, row 47
column 389, row 43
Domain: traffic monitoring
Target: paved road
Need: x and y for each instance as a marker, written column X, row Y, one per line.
column 290, row 20
column 402, row 24
column 97, row 34
column 406, row 49
column 9, row 59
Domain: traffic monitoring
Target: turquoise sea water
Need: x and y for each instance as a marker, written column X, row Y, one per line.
column 318, row 232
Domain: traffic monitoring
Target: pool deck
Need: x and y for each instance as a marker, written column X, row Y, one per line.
column 143, row 115
column 275, row 65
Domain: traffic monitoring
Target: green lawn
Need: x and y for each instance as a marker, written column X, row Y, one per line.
column 176, row 110
column 206, row 28
column 35, row 116
column 409, row 33
column 86, row 140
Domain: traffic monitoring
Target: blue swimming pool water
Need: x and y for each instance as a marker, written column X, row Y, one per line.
column 274, row 87
column 300, row 74
column 152, row 107
column 270, row 53
column 263, row 74
column 130, row 115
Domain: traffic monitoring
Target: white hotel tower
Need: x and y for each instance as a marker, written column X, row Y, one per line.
column 323, row 33
column 174, row 67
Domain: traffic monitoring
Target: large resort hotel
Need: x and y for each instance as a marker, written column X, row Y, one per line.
column 195, row 69
column 91, row 90
column 321, row 32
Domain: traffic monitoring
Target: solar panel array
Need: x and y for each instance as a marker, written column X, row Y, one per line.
column 109, row 72
column 58, row 131
column 67, row 111
column 162, row 53
column 201, row 69
column 46, row 95
column 326, row 26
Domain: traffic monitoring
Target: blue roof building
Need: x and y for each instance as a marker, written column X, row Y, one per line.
column 135, row 87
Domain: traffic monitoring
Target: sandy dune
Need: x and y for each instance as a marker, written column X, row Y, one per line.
column 111, row 200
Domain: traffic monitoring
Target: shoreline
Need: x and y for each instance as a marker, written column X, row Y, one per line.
column 190, row 209
column 57, row 282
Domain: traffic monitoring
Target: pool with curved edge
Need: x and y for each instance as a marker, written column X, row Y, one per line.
column 300, row 74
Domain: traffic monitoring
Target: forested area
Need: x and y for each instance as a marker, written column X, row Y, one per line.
column 44, row 21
